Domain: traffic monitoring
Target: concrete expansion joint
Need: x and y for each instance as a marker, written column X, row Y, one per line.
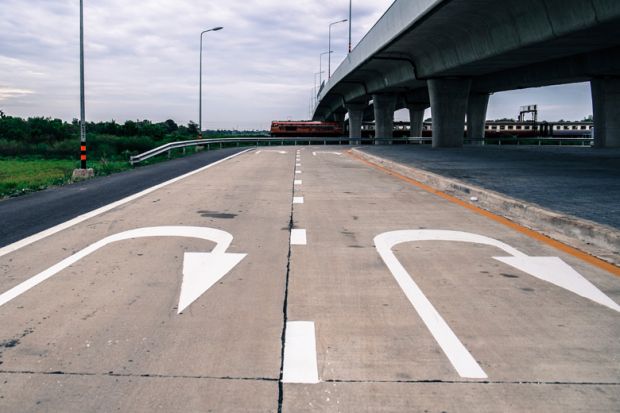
column 135, row 375
column 478, row 382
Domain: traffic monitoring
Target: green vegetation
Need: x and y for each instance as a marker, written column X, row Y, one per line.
column 39, row 152
column 20, row 176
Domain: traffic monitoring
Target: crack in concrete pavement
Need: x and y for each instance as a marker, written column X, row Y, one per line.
column 291, row 224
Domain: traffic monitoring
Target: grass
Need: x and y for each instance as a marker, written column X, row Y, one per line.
column 20, row 176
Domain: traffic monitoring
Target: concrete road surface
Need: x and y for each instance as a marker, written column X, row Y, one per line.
column 359, row 292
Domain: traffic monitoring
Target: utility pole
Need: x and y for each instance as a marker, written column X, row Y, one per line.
column 82, row 99
column 82, row 172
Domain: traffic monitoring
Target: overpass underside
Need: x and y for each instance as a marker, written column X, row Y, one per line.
column 451, row 55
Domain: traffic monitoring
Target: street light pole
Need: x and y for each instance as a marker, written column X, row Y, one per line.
column 350, row 22
column 329, row 59
column 315, row 89
column 321, row 65
column 82, row 99
column 215, row 29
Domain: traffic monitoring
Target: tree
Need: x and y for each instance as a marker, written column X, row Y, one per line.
column 192, row 128
column 171, row 126
column 130, row 128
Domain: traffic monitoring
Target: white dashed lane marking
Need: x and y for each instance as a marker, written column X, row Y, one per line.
column 298, row 237
column 300, row 365
column 298, row 200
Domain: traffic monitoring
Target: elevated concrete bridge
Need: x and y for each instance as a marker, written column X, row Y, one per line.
column 450, row 55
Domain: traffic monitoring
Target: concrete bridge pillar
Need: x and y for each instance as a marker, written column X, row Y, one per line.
column 416, row 118
column 606, row 103
column 477, row 116
column 337, row 117
column 356, row 116
column 449, row 104
column 385, row 106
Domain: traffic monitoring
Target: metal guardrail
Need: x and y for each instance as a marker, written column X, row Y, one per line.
column 242, row 141
column 344, row 141
column 559, row 141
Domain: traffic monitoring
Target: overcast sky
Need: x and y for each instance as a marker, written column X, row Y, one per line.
column 142, row 60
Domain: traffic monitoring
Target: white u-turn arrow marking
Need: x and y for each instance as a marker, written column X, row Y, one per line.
column 550, row 269
column 200, row 270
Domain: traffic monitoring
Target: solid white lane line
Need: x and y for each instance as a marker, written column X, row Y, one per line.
column 300, row 361
column 298, row 237
column 298, row 200
column 51, row 231
column 297, row 182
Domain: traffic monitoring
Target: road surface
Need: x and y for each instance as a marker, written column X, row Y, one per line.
column 315, row 283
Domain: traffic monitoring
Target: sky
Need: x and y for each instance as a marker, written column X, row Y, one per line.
column 142, row 60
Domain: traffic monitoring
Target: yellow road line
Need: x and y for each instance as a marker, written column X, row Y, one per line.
column 597, row 262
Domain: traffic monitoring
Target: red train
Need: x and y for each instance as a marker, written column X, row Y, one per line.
column 283, row 128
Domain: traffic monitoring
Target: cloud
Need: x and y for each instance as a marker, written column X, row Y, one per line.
column 8, row 92
column 142, row 57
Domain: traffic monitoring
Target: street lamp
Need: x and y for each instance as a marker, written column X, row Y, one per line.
column 315, row 89
column 215, row 29
column 329, row 59
column 350, row 22
column 321, row 64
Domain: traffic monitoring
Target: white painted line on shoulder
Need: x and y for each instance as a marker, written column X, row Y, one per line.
column 297, row 182
column 298, row 200
column 300, row 361
column 51, row 231
column 298, row 237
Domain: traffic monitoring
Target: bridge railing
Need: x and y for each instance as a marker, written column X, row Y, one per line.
column 268, row 141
